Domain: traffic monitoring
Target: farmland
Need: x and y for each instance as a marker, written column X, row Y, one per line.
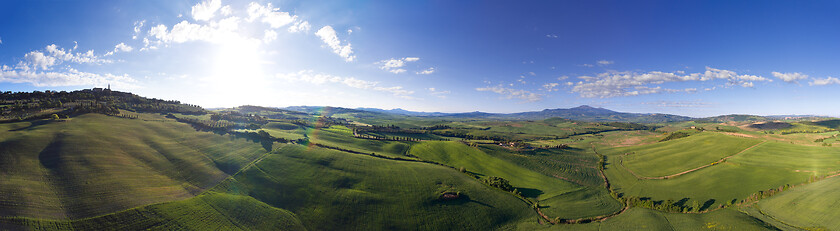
column 255, row 168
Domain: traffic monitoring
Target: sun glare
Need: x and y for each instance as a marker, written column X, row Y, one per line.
column 237, row 70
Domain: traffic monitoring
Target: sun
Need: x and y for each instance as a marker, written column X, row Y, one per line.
column 237, row 70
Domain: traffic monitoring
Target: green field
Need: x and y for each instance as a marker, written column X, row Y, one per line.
column 767, row 166
column 561, row 198
column 214, row 211
column 95, row 164
column 675, row 156
column 812, row 206
column 341, row 136
column 330, row 190
column 97, row 172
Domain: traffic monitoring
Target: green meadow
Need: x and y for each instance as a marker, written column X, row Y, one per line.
column 156, row 171
column 94, row 164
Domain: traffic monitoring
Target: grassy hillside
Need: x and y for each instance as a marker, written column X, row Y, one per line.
column 95, row 164
column 678, row 155
column 813, row 206
column 332, row 190
column 210, row 211
column 341, row 136
column 559, row 197
column 766, row 166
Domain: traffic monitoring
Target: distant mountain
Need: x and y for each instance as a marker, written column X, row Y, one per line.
column 331, row 111
column 580, row 113
column 593, row 114
column 734, row 118
column 797, row 117
column 400, row 111
column 253, row 109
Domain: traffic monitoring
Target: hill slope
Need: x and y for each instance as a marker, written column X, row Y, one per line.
column 95, row 164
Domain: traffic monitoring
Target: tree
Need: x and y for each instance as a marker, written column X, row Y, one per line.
column 500, row 183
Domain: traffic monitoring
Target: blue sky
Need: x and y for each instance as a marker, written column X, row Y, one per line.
column 694, row 58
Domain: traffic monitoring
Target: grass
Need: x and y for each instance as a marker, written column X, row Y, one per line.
column 340, row 136
column 674, row 156
column 210, row 211
column 95, row 164
column 813, row 206
column 769, row 165
column 560, row 198
column 647, row 219
column 331, row 190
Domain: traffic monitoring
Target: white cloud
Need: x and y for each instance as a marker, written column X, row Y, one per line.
column 790, row 77
column 270, row 35
column 550, row 86
column 615, row 84
column 55, row 55
column 223, row 31
column 510, row 93
column 427, row 71
column 37, row 59
column 120, row 48
column 587, row 65
column 273, row 16
column 328, row 35
column 1, row 40
column 826, row 81
column 205, row 11
column 300, row 26
column 605, row 62
column 226, row 10
column 70, row 77
column 551, row 36
column 320, row 78
column 395, row 65
column 678, row 104
column 138, row 27
column 439, row 94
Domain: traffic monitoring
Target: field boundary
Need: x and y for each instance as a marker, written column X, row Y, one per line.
column 687, row 171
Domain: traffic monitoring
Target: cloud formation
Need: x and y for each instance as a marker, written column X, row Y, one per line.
column 511, row 93
column 205, row 10
column 275, row 18
column 605, row 62
column 823, row 82
column 69, row 77
column 790, row 77
column 395, row 65
column 616, row 84
column 437, row 93
column 310, row 76
column 329, row 37
column 426, row 72
column 120, row 48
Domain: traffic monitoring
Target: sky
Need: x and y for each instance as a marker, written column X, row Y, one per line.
column 691, row 58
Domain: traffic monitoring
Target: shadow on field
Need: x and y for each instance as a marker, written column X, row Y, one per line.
column 50, row 156
column 706, row 205
column 32, row 125
column 530, row 192
column 462, row 199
